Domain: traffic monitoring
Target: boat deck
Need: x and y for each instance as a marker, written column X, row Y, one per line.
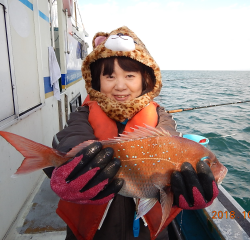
column 38, row 220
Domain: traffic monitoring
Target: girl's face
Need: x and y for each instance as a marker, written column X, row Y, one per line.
column 121, row 85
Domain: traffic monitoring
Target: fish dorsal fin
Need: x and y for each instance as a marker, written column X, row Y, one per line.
column 139, row 132
column 78, row 148
column 145, row 205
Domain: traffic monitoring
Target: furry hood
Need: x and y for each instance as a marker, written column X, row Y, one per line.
column 120, row 42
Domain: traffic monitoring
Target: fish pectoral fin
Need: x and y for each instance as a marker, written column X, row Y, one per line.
column 144, row 206
column 160, row 180
column 166, row 200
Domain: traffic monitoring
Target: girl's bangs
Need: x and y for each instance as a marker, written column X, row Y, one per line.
column 108, row 66
column 125, row 63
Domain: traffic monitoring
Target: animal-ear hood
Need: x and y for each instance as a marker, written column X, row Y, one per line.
column 120, row 42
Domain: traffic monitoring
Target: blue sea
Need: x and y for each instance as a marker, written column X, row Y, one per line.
column 227, row 127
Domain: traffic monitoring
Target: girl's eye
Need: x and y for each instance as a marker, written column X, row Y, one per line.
column 109, row 76
column 130, row 76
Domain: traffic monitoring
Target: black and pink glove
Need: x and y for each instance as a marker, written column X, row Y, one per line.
column 88, row 178
column 194, row 190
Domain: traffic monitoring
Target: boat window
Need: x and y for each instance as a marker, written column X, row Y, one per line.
column 75, row 102
column 53, row 19
column 6, row 90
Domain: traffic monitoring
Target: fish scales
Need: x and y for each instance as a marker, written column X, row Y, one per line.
column 144, row 160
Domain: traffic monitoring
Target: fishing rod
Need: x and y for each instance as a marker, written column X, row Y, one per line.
column 215, row 105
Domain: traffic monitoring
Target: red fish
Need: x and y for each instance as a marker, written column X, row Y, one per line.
column 148, row 158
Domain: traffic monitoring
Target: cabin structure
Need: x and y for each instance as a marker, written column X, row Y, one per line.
column 35, row 36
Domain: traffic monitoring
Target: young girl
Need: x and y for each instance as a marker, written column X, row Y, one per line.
column 122, row 80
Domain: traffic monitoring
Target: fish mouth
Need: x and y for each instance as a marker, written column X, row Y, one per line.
column 223, row 173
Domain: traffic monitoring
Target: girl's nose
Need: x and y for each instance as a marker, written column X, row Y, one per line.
column 120, row 84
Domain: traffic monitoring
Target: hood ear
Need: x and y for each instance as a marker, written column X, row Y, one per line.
column 99, row 38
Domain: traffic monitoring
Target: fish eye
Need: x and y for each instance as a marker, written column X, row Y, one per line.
column 208, row 162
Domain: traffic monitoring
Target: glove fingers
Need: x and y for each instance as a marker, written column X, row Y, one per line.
column 113, row 188
column 206, row 179
column 178, row 187
column 107, row 173
column 91, row 150
column 191, row 180
column 88, row 153
column 100, row 161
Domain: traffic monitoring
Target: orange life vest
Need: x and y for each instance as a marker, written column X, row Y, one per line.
column 84, row 220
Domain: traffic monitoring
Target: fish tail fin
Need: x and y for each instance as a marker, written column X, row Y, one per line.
column 166, row 200
column 37, row 156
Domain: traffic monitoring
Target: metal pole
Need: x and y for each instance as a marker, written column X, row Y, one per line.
column 67, row 44
column 51, row 26
column 75, row 14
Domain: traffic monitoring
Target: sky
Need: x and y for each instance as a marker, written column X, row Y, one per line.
column 180, row 35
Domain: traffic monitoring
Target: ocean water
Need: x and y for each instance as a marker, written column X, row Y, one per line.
column 227, row 127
